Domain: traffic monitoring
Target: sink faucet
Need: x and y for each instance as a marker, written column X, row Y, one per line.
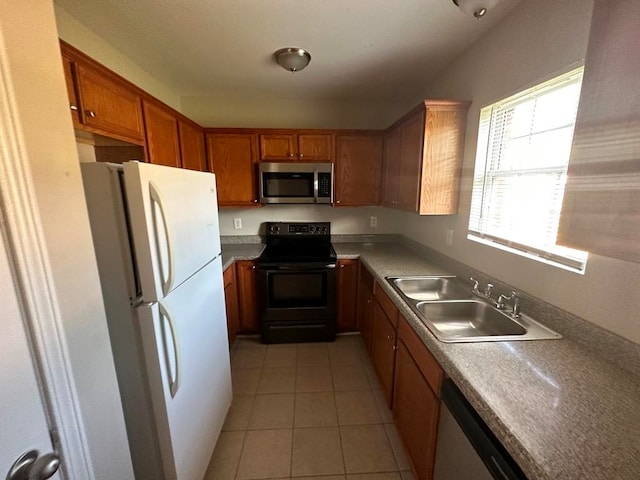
column 515, row 309
column 486, row 294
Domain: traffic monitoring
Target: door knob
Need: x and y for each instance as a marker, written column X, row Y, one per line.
column 32, row 466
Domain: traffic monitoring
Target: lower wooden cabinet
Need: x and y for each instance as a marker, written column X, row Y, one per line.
column 416, row 402
column 347, row 320
column 247, row 296
column 365, row 306
column 231, row 301
column 383, row 343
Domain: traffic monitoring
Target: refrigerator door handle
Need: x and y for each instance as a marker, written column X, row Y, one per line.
column 167, row 277
column 173, row 376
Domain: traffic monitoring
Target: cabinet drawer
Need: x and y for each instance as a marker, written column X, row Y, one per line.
column 428, row 365
column 387, row 305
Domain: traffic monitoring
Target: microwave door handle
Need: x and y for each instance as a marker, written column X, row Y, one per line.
column 315, row 184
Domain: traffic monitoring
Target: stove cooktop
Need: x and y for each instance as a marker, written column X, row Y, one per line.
column 289, row 242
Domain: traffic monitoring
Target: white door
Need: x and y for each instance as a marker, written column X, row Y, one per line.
column 23, row 424
column 187, row 357
column 174, row 220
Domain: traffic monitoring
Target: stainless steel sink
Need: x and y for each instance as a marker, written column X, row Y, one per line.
column 452, row 313
column 430, row 288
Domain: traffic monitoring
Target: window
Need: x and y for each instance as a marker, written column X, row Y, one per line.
column 524, row 144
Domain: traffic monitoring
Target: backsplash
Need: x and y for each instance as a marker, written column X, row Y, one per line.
column 344, row 220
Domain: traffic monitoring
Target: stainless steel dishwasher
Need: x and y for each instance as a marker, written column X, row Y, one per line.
column 467, row 449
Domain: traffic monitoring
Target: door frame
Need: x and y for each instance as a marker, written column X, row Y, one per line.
column 29, row 259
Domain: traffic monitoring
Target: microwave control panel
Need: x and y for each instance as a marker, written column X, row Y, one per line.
column 324, row 185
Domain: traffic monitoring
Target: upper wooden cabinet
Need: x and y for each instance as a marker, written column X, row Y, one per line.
column 173, row 140
column 163, row 143
column 423, row 158
column 108, row 106
column 358, row 166
column 601, row 209
column 69, row 77
column 296, row 147
column 192, row 148
column 232, row 158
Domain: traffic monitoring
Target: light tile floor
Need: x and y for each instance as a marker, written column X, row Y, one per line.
column 311, row 411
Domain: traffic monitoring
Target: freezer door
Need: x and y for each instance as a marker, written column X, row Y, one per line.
column 184, row 339
column 173, row 216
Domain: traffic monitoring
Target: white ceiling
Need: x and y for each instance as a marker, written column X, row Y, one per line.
column 360, row 49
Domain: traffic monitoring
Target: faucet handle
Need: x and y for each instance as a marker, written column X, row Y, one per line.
column 475, row 284
column 488, row 289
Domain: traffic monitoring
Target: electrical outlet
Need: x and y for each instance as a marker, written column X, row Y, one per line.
column 449, row 236
column 373, row 221
column 237, row 223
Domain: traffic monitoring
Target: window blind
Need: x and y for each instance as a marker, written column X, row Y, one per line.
column 523, row 151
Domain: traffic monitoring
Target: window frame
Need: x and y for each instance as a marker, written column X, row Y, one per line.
column 486, row 161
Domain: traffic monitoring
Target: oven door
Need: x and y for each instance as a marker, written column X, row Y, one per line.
column 298, row 299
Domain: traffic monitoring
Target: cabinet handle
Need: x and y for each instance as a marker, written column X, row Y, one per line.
column 255, row 201
column 301, row 155
column 337, row 201
column 90, row 113
column 253, row 267
column 395, row 347
column 342, row 266
column 291, row 155
column 369, row 301
column 73, row 107
column 389, row 337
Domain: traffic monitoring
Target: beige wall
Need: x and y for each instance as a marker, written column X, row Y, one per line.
column 344, row 220
column 35, row 71
column 279, row 112
column 536, row 40
column 76, row 34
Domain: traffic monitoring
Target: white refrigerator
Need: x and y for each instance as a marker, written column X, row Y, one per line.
column 157, row 241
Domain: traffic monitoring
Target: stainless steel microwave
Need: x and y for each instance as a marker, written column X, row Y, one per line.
column 296, row 182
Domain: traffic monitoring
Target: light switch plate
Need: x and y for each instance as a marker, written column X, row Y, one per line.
column 373, row 221
column 237, row 223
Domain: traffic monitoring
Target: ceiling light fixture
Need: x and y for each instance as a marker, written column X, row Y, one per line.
column 292, row 59
column 477, row 8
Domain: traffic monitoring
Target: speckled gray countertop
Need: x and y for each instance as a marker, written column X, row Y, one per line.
column 560, row 409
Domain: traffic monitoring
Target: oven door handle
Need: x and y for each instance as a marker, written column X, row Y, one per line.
column 299, row 267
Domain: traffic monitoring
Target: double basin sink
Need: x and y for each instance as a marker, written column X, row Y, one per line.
column 454, row 314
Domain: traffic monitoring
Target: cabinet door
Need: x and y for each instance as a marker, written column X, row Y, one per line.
column 416, row 411
column 161, row 127
column 347, row 295
column 232, row 159
column 247, row 296
column 392, row 168
column 384, row 350
column 442, row 159
column 108, row 106
column 365, row 307
column 411, row 144
column 192, row 149
column 231, row 301
column 358, row 169
column 69, row 75
column 278, row 147
column 315, row 147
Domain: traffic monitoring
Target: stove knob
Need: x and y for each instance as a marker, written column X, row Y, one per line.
column 312, row 229
column 275, row 229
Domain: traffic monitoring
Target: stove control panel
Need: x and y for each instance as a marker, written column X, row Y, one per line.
column 298, row 228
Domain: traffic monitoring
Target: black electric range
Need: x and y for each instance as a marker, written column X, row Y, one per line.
column 297, row 283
